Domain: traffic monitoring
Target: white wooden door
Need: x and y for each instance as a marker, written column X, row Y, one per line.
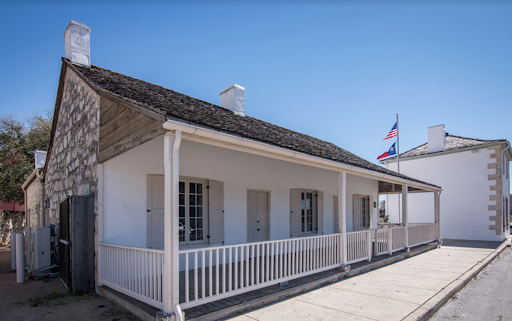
column 257, row 216
column 155, row 212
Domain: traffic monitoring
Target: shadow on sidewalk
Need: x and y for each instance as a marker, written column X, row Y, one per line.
column 471, row 244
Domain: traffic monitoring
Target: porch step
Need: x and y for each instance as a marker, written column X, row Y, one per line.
column 141, row 310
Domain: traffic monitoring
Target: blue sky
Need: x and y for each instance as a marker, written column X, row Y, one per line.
column 339, row 71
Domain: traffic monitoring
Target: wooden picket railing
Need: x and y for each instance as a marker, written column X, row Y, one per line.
column 218, row 272
column 390, row 240
column 421, row 234
column 136, row 272
column 398, row 239
column 383, row 240
column 359, row 246
column 214, row 273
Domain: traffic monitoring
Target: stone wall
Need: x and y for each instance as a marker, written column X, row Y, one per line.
column 33, row 206
column 496, row 210
column 73, row 164
column 10, row 221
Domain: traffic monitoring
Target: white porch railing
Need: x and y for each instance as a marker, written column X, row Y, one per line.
column 397, row 239
column 382, row 241
column 136, row 272
column 214, row 273
column 359, row 246
column 390, row 240
column 219, row 272
column 416, row 224
column 420, row 234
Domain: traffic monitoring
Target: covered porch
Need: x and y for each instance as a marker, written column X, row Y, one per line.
column 324, row 220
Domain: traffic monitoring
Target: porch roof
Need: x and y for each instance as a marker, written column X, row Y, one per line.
column 174, row 105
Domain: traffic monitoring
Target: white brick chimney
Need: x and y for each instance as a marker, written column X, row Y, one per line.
column 77, row 39
column 40, row 158
column 436, row 139
column 233, row 98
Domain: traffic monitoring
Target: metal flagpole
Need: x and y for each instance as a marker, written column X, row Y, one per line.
column 398, row 165
column 397, row 145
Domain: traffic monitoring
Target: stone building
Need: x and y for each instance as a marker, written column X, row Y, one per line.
column 177, row 180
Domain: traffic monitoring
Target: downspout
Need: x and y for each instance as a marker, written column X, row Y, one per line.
column 171, row 240
column 25, row 202
column 439, row 239
column 40, row 177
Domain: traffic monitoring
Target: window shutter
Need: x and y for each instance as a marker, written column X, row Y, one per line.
column 335, row 215
column 370, row 211
column 295, row 212
column 320, row 212
column 216, row 211
column 356, row 205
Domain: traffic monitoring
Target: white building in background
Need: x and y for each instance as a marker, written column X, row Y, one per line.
column 474, row 174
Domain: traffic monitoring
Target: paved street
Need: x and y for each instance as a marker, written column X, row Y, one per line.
column 404, row 290
column 488, row 297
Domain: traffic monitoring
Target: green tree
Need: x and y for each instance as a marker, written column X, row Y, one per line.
column 18, row 142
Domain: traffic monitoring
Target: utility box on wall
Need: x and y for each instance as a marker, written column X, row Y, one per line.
column 38, row 247
column 76, row 243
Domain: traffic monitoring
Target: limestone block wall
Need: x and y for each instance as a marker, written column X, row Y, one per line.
column 500, row 185
column 73, row 163
column 33, row 203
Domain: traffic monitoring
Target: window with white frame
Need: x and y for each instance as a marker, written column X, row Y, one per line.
column 306, row 212
column 361, row 211
column 193, row 218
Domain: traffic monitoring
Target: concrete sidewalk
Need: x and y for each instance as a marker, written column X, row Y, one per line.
column 412, row 289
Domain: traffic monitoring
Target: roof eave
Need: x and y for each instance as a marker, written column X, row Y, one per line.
column 191, row 131
column 446, row 152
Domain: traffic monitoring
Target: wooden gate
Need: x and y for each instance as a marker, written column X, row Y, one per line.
column 64, row 244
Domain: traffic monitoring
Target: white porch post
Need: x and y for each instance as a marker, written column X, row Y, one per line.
column 171, row 267
column 342, row 212
column 405, row 219
column 99, row 239
column 436, row 213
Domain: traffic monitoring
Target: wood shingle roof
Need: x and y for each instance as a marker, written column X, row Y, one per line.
column 194, row 111
column 453, row 143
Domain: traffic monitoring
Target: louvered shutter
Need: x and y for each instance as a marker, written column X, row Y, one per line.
column 320, row 212
column 356, row 217
column 216, row 211
column 370, row 211
column 295, row 212
column 335, row 212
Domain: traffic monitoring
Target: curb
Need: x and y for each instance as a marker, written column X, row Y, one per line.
column 427, row 309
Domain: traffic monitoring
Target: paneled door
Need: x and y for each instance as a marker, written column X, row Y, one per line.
column 258, row 216
column 155, row 212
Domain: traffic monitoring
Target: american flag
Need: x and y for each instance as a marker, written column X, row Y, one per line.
column 392, row 133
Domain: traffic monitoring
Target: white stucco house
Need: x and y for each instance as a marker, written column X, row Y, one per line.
column 474, row 174
column 196, row 202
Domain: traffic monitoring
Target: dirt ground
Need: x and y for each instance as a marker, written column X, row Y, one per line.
column 48, row 299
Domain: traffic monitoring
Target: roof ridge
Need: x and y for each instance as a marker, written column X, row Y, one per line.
column 447, row 148
column 480, row 139
column 202, row 113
